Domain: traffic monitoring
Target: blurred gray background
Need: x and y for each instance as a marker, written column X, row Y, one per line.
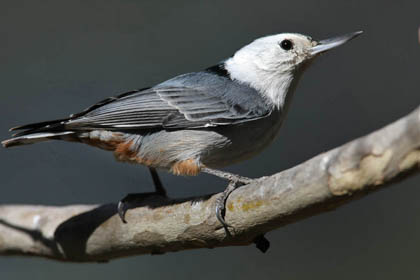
column 58, row 57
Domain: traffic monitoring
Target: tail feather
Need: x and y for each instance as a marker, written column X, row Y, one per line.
column 37, row 132
column 47, row 126
column 34, row 138
column 39, row 125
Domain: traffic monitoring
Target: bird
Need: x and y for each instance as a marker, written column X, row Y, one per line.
column 196, row 122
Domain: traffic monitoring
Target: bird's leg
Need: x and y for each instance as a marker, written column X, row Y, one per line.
column 234, row 182
column 138, row 197
column 159, row 188
column 226, row 175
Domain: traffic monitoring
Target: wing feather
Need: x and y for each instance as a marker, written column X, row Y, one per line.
column 174, row 106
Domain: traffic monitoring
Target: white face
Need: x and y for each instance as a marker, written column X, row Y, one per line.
column 273, row 64
column 278, row 53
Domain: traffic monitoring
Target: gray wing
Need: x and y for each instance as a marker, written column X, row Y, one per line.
column 194, row 100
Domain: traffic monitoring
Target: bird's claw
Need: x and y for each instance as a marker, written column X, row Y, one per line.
column 133, row 200
column 221, row 203
column 220, row 212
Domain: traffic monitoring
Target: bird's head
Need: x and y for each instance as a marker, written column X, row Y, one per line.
column 271, row 63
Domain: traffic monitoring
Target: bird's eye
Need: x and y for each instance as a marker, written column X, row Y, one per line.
column 286, row 45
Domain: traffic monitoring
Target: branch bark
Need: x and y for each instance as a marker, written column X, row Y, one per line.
column 156, row 225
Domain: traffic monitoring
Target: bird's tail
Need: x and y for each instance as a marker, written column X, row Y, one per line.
column 38, row 132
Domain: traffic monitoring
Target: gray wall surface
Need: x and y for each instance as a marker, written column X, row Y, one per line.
column 58, row 57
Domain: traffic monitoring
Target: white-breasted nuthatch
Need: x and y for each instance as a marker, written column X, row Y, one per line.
column 197, row 121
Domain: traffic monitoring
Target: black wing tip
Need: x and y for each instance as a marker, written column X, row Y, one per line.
column 16, row 128
column 24, row 127
column 50, row 124
column 45, row 124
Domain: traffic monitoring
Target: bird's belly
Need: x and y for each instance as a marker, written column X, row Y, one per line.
column 216, row 147
column 245, row 141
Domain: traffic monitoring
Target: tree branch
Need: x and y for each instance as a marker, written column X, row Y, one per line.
column 157, row 225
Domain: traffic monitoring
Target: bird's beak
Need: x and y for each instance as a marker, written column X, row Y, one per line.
column 328, row 44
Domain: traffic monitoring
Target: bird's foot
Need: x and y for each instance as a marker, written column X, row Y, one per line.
column 260, row 241
column 221, row 200
column 221, row 203
column 133, row 199
column 136, row 198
